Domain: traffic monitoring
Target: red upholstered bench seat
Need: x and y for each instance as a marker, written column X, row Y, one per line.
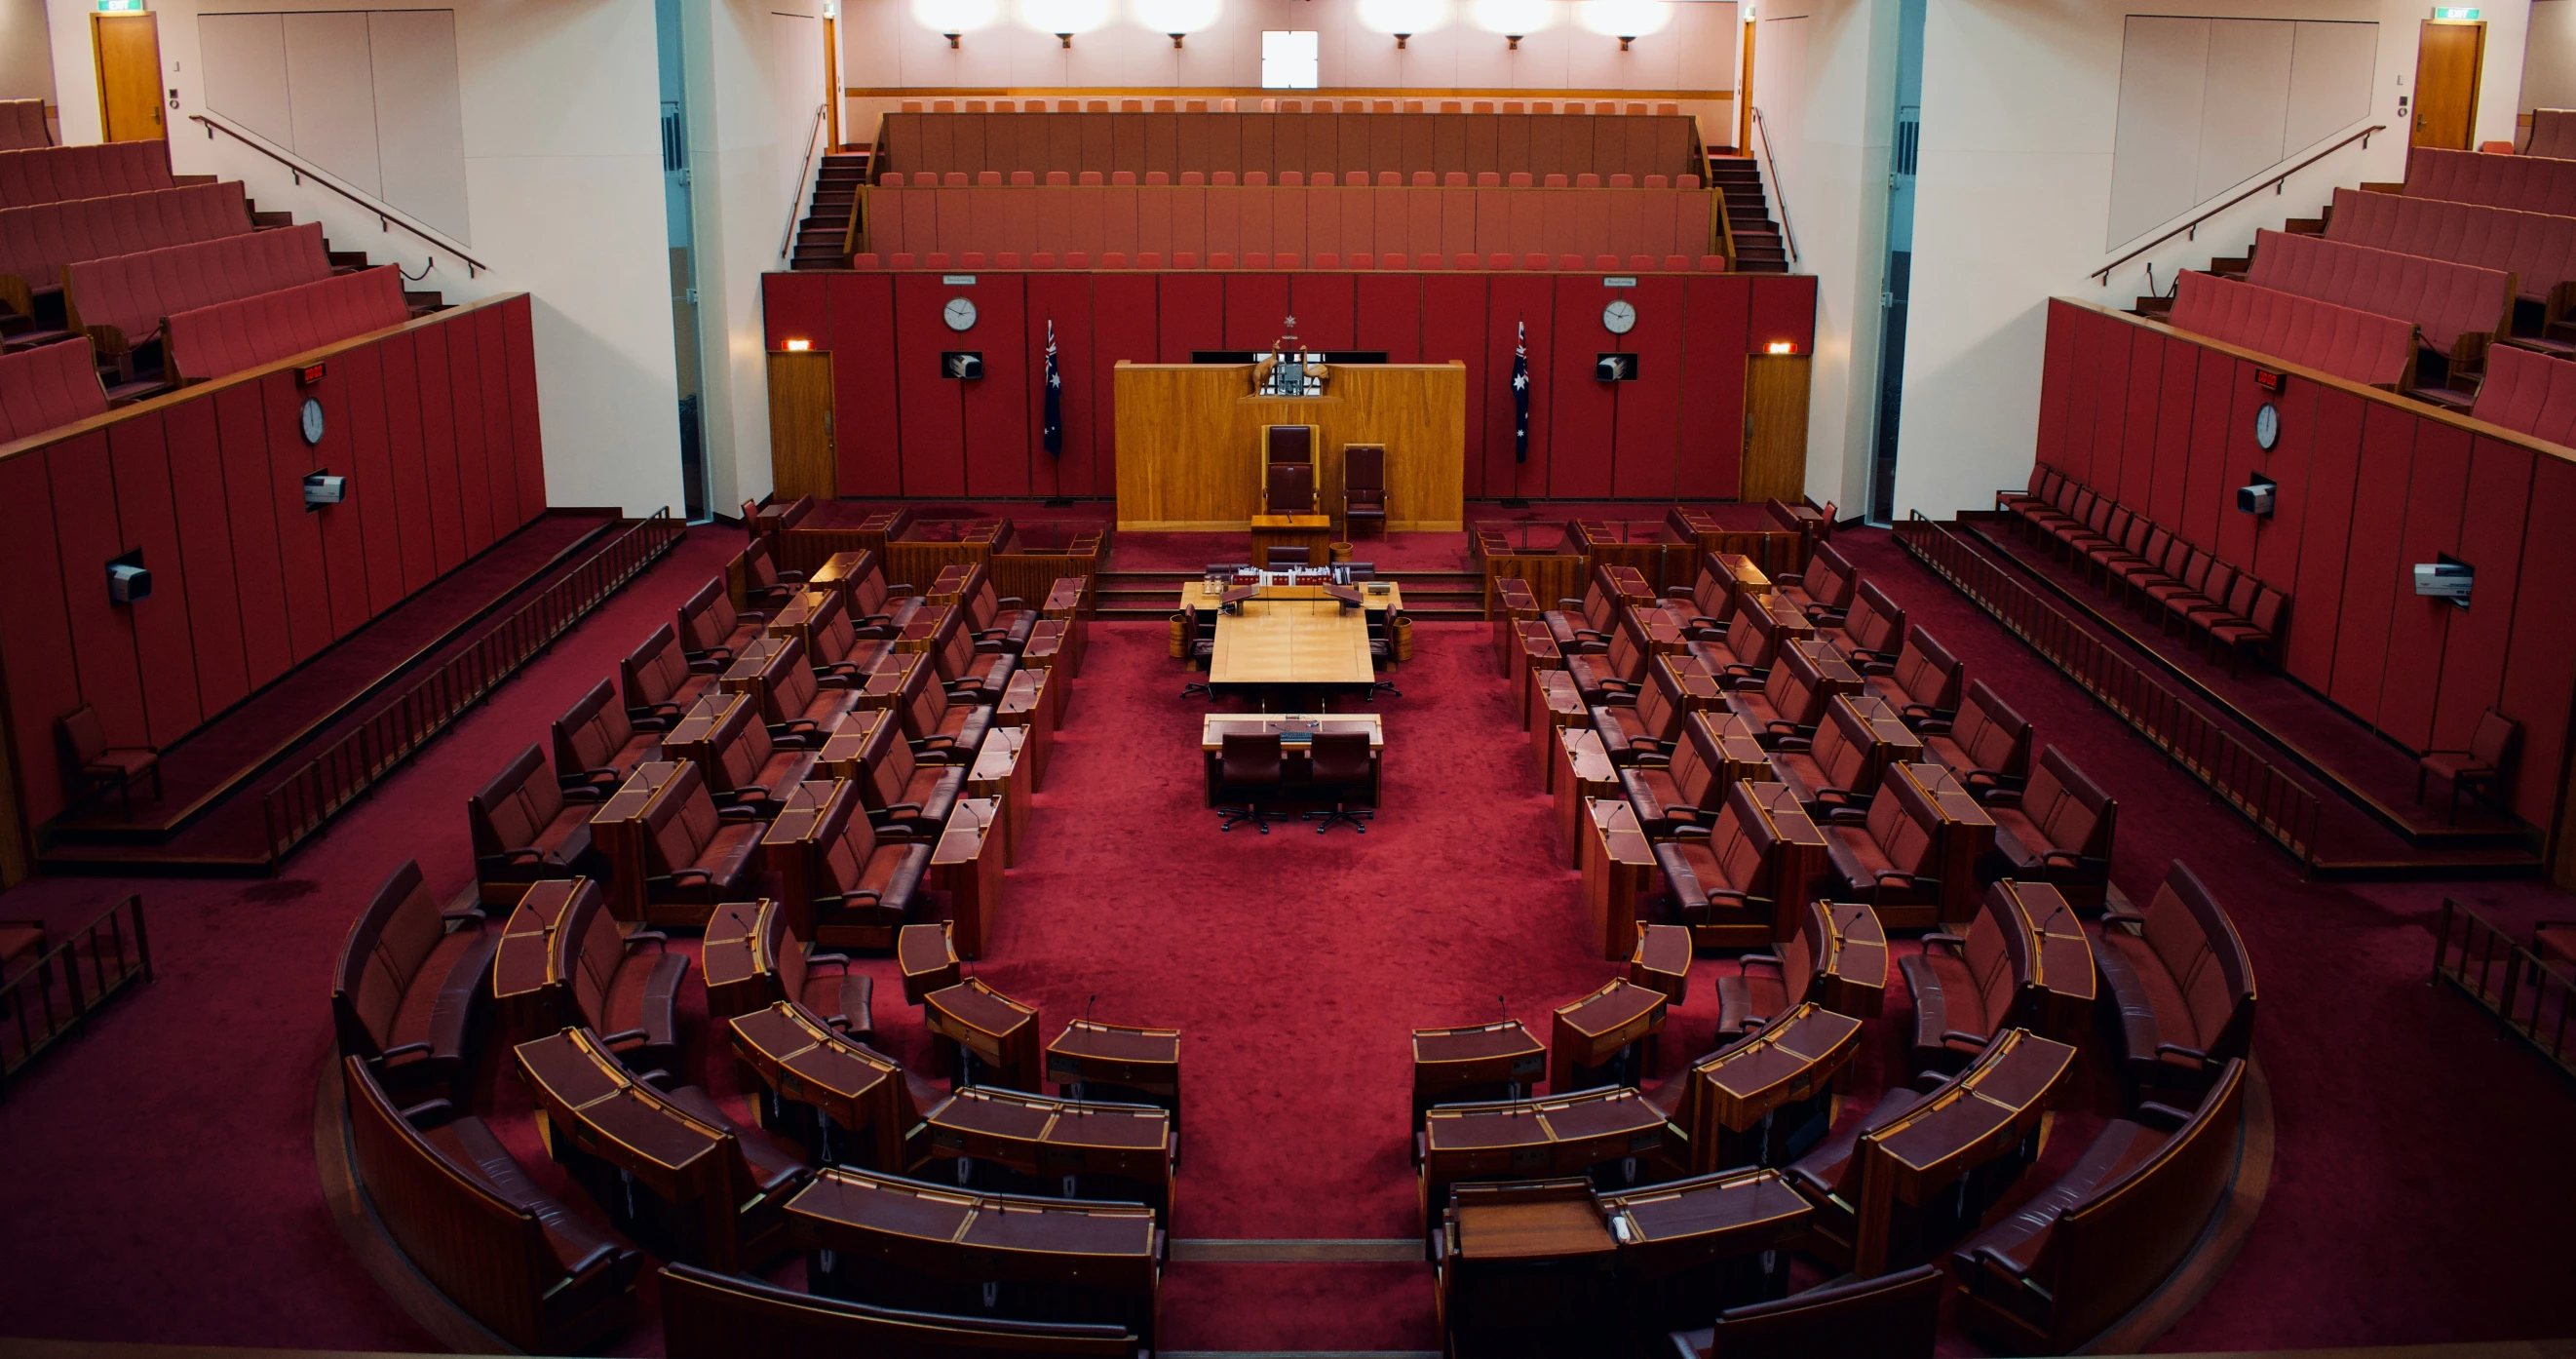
column 45, row 174
column 229, row 337
column 2357, row 346
column 48, row 387
column 36, row 241
column 130, row 295
column 2537, row 249
column 2529, row 392
column 2525, row 183
column 2446, row 301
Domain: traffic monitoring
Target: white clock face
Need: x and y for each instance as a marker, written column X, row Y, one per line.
column 312, row 420
column 2267, row 426
column 959, row 313
column 1619, row 317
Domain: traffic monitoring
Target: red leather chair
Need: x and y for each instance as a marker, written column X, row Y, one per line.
column 595, row 747
column 661, row 683
column 97, row 768
column 1870, row 631
column 758, row 583
column 1646, row 731
column 1889, row 858
column 864, row 887
column 904, row 799
column 800, row 710
column 1832, row 778
column 1967, row 987
column 1615, row 676
column 2178, row 979
column 1829, row 1180
column 1923, row 685
column 840, row 998
column 942, row 732
column 695, row 854
column 994, row 620
column 1784, row 706
column 629, row 997
column 2056, row 830
column 748, row 770
column 1748, row 1000
column 1251, row 771
column 1685, row 793
column 711, row 629
column 971, row 670
column 1586, row 624
column 875, row 604
column 1723, row 874
column 2480, row 769
column 525, row 830
column 1748, row 647
column 409, row 997
column 1824, row 590
column 1986, row 747
column 1364, row 486
column 1893, row 1316
column 840, row 651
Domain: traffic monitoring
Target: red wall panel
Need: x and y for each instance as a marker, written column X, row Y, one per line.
column 1254, row 304
column 2334, row 473
column 2540, row 666
column 1064, row 299
column 1650, row 408
column 500, row 457
column 866, row 425
column 2083, row 394
column 527, row 431
column 1713, row 354
column 1518, row 300
column 1123, row 327
column 406, row 441
column 437, row 418
column 2236, row 529
column 792, row 307
column 1783, row 308
column 1322, row 304
column 1453, row 327
column 1192, row 307
column 2111, row 410
column 148, row 518
column 933, row 421
column 361, row 373
column 2276, row 540
column 2161, row 495
column 2437, row 490
column 2138, row 434
column 1388, row 315
column 206, row 555
column 2213, row 419
column 1582, row 411
column 86, row 533
column 997, row 407
column 259, row 575
column 42, row 682
column 2056, row 378
column 2370, row 562
column 2474, row 642
column 473, row 467
column 299, row 535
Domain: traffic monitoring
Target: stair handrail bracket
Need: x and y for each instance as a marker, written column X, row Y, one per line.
column 387, row 216
column 2273, row 181
column 1779, row 191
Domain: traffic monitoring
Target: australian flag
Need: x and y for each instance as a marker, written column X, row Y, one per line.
column 1053, row 435
column 1520, row 394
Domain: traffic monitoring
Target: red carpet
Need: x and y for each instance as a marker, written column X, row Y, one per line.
column 164, row 1160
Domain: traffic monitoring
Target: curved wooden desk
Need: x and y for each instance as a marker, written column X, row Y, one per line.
column 1476, row 1062
column 1047, row 1138
column 741, row 977
column 1686, row 1244
column 1733, row 1102
column 863, row 1102
column 1521, row 1139
column 1851, row 967
column 998, row 1033
column 531, row 998
column 1989, row 1111
column 1092, row 1060
column 1591, row 1033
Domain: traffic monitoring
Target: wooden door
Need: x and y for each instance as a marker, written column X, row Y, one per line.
column 803, row 457
column 2447, row 60
column 1775, row 428
column 128, row 51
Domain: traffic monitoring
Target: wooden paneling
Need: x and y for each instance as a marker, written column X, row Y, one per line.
column 802, row 459
column 1775, row 416
column 1189, row 442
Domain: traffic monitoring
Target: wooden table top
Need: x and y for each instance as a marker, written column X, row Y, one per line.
column 976, row 1015
column 1115, row 1054
column 1501, row 1051
column 1291, row 641
column 1527, row 1231
column 1196, row 594
column 1215, row 727
column 961, row 1234
column 1778, row 1063
column 1710, row 1215
column 1613, row 1017
column 968, row 827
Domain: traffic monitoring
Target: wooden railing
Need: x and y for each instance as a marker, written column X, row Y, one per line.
column 1551, row 575
column 2238, row 773
column 2530, row 997
column 55, row 995
column 335, row 777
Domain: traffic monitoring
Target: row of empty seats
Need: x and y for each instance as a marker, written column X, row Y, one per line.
column 2537, row 249
column 2457, row 308
column 1288, row 179
column 123, row 300
column 228, row 337
column 2179, row 585
column 46, row 174
column 1210, row 140
column 2524, row 183
column 1605, row 107
column 48, row 386
column 2357, row 346
column 2553, row 134
column 22, row 125
column 38, row 241
column 2529, row 392
column 1289, row 260
column 1240, row 221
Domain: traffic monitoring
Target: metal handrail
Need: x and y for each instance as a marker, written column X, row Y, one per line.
column 386, row 216
column 2192, row 227
column 796, row 205
column 1778, row 192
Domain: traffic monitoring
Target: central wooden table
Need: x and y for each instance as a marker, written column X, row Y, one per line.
column 1292, row 635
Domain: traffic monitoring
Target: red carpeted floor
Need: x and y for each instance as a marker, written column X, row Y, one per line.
column 162, row 1184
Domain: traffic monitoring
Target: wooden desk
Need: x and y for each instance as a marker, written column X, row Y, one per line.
column 1313, row 532
column 1001, row 775
column 1549, row 704
column 1966, row 834
column 1129, row 1144
column 739, row 975
column 861, row 1104
column 1851, row 968
column 927, row 957
column 838, row 573
column 949, row 586
column 793, row 848
column 998, row 1032
column 692, row 738
column 1500, row 1060
column 795, row 618
column 1195, row 594
column 1744, row 577
column 967, row 865
column 1215, row 727
column 1661, row 961
column 887, row 682
column 1689, row 1245
column 1525, row 1268
column 1590, row 1033
column 1530, row 1138
column 921, row 634
column 524, row 986
column 1618, row 872
column 617, row 832
column 1733, row 1103
column 1797, row 856
column 841, row 755
column 748, row 675
column 1993, row 1109
column 1092, row 1060
column 1583, row 775
column 1741, row 757
column 1027, row 703
column 2062, row 973
column 1290, row 634
column 899, row 1243
column 1700, row 690
column 589, row 1107
column 1532, row 648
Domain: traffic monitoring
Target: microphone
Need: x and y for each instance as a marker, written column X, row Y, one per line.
column 1086, row 1006
column 1506, row 1009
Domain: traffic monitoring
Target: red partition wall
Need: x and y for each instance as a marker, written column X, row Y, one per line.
column 859, row 328
column 1646, row 442
column 208, row 483
column 2370, row 485
column 1063, row 300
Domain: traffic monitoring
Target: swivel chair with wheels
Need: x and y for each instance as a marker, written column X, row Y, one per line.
column 1197, row 651
column 1338, row 764
column 1249, row 768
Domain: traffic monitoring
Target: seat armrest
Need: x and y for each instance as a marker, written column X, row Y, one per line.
column 705, row 663
column 2161, row 1117
column 588, row 792
column 2178, row 1050
column 473, row 914
column 655, row 937
column 1748, row 960
column 751, row 615
column 894, row 590
column 621, row 1036
column 1569, row 605
column 401, row 1050
column 2003, row 797
column 1955, row 943
column 1974, row 1040
column 815, row 960
column 736, row 811
column 2060, row 858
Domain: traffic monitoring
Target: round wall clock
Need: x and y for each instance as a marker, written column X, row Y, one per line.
column 1619, row 317
column 311, row 420
column 959, row 313
column 2267, row 426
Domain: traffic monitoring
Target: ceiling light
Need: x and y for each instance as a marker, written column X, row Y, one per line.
column 1064, row 18
column 1626, row 20
column 1516, row 19
column 948, row 18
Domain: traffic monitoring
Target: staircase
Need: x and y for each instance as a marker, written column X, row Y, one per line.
column 822, row 238
column 1430, row 596
column 1748, row 213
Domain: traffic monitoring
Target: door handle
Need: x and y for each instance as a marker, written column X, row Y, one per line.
column 830, row 440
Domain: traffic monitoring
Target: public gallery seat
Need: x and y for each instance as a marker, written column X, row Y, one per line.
column 2182, row 986
column 595, row 746
column 694, row 854
column 2482, row 768
column 1965, row 987
column 525, row 830
column 94, row 768
column 410, row 989
column 2056, row 830
column 661, row 683
column 710, row 627
column 47, row 387
column 629, row 997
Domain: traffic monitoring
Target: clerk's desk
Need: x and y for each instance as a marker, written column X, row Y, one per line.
column 1293, row 634
column 1296, row 733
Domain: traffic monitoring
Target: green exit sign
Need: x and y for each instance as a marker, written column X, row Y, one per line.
column 2439, row 12
column 119, row 6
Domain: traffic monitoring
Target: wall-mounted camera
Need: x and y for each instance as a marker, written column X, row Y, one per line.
column 127, row 580
column 2256, row 497
column 1614, row 367
column 2445, row 579
column 963, row 365
column 322, row 489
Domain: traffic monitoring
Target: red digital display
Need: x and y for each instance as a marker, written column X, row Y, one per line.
column 2270, row 381
column 309, row 374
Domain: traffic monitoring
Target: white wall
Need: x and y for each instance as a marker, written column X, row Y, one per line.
column 563, row 175
column 26, row 62
column 2549, row 56
column 2020, row 104
column 1824, row 78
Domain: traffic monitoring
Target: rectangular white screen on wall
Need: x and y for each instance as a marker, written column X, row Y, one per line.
column 1290, row 59
column 2208, row 105
column 370, row 97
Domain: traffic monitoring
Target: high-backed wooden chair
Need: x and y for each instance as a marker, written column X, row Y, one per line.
column 1364, row 486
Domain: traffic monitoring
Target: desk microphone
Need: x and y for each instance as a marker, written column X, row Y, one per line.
column 2053, row 915
column 1086, row 1006
column 1506, row 1009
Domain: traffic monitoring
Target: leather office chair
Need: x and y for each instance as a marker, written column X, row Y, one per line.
column 865, row 886
column 712, row 629
column 749, row 770
column 842, row 999
column 763, row 585
column 1289, row 488
column 1986, row 747
column 843, row 652
column 630, row 998
column 1381, row 645
column 98, row 768
column 971, row 671
column 1251, row 768
column 905, row 799
column 1364, row 487
column 1197, row 652
column 525, row 830
column 942, row 732
column 2480, row 769
column 1338, row 762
